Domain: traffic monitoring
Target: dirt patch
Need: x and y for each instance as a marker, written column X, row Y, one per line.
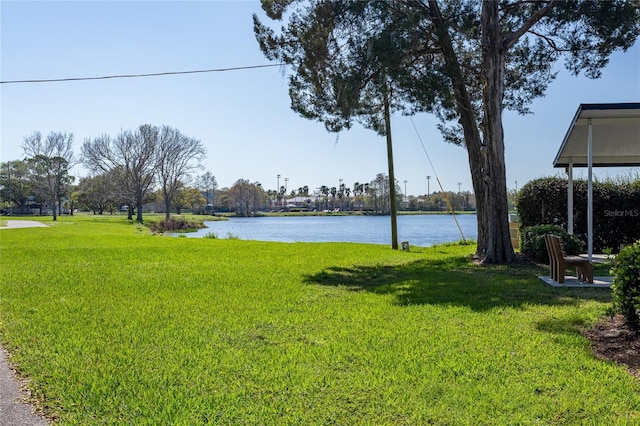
column 613, row 340
column 521, row 259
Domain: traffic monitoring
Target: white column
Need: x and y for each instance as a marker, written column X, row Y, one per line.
column 590, row 193
column 570, row 197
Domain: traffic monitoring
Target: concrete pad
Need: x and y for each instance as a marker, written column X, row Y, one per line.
column 598, row 257
column 571, row 281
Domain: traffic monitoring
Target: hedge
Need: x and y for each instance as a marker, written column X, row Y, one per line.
column 616, row 209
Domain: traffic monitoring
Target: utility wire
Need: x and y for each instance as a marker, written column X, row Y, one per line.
column 446, row 197
column 156, row 74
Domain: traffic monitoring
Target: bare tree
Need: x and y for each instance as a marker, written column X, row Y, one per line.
column 177, row 157
column 51, row 158
column 132, row 154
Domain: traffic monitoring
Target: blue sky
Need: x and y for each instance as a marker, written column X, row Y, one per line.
column 242, row 117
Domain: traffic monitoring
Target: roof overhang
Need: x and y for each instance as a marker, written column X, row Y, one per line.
column 615, row 136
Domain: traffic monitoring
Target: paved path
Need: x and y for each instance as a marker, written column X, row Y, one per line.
column 13, row 410
column 12, row 224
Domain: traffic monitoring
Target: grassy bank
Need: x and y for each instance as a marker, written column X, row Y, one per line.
column 114, row 325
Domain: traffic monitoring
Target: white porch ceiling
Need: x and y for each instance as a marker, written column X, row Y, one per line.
column 615, row 136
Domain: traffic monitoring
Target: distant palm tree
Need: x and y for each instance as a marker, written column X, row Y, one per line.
column 271, row 194
column 341, row 191
column 334, row 191
column 324, row 190
column 348, row 192
column 358, row 190
column 366, row 190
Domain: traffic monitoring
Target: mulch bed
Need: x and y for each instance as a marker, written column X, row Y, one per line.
column 613, row 340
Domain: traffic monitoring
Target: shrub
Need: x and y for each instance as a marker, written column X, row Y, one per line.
column 532, row 241
column 175, row 226
column 626, row 285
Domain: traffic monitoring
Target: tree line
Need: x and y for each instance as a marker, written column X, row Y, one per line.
column 153, row 168
column 247, row 198
column 130, row 169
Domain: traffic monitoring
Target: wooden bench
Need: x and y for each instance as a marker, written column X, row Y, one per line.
column 559, row 262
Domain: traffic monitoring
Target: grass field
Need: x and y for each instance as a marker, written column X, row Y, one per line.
column 113, row 325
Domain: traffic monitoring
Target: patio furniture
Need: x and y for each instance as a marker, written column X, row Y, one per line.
column 559, row 262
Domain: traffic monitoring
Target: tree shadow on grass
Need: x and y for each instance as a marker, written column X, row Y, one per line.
column 455, row 281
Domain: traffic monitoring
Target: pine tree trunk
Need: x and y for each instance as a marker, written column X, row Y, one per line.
column 486, row 154
column 476, row 157
column 498, row 241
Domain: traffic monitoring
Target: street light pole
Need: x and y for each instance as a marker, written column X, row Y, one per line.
column 405, row 191
column 278, row 189
column 459, row 183
column 9, row 187
column 428, row 190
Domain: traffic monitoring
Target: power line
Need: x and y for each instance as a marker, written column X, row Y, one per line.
column 156, row 74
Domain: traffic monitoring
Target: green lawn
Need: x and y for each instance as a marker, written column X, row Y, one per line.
column 114, row 325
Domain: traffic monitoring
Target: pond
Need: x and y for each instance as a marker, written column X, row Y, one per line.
column 419, row 230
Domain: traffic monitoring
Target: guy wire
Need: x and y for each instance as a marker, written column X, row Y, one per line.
column 446, row 197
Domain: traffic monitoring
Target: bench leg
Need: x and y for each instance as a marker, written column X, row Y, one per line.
column 587, row 272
